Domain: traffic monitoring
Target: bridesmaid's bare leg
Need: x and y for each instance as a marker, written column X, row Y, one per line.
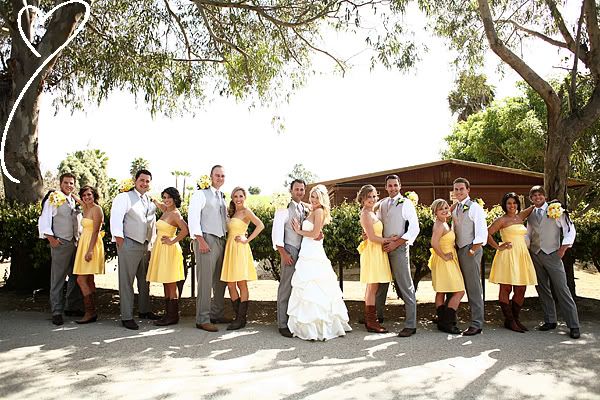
column 233, row 293
column 244, row 294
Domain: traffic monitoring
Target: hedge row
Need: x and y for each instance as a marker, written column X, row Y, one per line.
column 18, row 229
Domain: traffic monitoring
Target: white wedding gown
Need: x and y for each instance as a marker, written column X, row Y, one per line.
column 316, row 309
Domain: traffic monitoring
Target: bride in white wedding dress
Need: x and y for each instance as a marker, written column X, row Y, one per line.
column 316, row 309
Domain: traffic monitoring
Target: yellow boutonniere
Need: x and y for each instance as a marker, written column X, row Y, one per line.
column 480, row 202
column 555, row 210
column 204, row 182
column 412, row 196
column 126, row 185
column 57, row 198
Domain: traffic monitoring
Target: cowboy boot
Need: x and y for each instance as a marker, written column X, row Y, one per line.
column 509, row 321
column 235, row 305
column 90, row 310
column 516, row 310
column 371, row 322
column 450, row 321
column 161, row 321
column 240, row 320
column 439, row 320
column 171, row 316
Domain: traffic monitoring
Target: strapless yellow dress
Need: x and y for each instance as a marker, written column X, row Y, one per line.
column 96, row 264
column 238, row 264
column 374, row 262
column 513, row 266
column 166, row 261
column 445, row 275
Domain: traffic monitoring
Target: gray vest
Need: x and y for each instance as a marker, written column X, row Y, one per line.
column 392, row 218
column 139, row 221
column 289, row 235
column 213, row 217
column 545, row 235
column 464, row 228
column 64, row 223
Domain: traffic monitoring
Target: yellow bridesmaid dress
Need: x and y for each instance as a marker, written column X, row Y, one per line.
column 238, row 264
column 96, row 264
column 166, row 261
column 445, row 275
column 374, row 262
column 513, row 266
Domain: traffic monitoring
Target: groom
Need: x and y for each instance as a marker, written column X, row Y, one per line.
column 287, row 242
column 399, row 219
column 207, row 221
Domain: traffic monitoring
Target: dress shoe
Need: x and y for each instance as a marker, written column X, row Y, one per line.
column 406, row 332
column 547, row 326
column 209, row 327
column 285, row 332
column 575, row 334
column 472, row 331
column 222, row 320
column 149, row 315
column 74, row 313
column 130, row 324
column 57, row 319
column 361, row 319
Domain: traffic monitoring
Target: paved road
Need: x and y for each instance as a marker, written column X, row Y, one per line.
column 102, row 360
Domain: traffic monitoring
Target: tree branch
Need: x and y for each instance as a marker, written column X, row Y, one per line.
column 542, row 87
column 591, row 22
column 338, row 62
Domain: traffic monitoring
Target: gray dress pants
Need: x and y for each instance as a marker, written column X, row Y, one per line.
column 400, row 264
column 133, row 264
column 285, row 287
column 208, row 269
column 61, row 267
column 550, row 270
column 470, row 267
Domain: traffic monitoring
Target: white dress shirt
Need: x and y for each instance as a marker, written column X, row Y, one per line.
column 48, row 212
column 197, row 203
column 280, row 219
column 568, row 229
column 121, row 206
column 477, row 215
column 409, row 213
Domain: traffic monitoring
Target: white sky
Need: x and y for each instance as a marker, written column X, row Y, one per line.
column 336, row 126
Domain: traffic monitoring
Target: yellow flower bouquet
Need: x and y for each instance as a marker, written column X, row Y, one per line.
column 126, row 185
column 555, row 210
column 204, row 182
column 57, row 198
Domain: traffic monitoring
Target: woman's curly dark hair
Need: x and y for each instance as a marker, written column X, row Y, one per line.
column 174, row 193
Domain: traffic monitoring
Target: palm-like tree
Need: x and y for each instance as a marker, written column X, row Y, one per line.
column 185, row 175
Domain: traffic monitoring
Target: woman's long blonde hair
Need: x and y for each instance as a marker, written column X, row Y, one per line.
column 231, row 210
column 323, row 197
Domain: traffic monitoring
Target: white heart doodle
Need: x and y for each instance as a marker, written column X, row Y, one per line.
column 43, row 17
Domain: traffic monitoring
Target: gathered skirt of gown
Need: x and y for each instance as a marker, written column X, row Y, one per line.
column 513, row 266
column 374, row 262
column 445, row 275
column 166, row 261
column 96, row 264
column 316, row 308
column 238, row 264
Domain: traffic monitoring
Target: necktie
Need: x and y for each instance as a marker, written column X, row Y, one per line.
column 222, row 210
column 538, row 214
column 390, row 202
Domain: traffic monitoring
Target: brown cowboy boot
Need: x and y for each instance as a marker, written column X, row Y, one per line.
column 171, row 316
column 371, row 322
column 516, row 310
column 509, row 320
column 439, row 319
column 450, row 321
column 90, row 310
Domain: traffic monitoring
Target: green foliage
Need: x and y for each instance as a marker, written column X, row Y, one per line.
column 89, row 166
column 253, row 190
column 470, row 95
column 343, row 235
column 137, row 164
column 587, row 244
column 300, row 172
column 18, row 229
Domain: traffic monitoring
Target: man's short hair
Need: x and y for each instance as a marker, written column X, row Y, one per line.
column 215, row 167
column 67, row 175
column 462, row 180
column 537, row 189
column 393, row 176
column 297, row 180
column 142, row 171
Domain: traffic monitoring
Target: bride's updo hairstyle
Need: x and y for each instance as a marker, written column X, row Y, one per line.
column 231, row 210
column 363, row 193
column 323, row 197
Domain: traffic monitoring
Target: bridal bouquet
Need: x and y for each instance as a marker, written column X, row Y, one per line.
column 412, row 196
column 204, row 182
column 281, row 200
column 126, row 185
column 555, row 210
column 57, row 198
